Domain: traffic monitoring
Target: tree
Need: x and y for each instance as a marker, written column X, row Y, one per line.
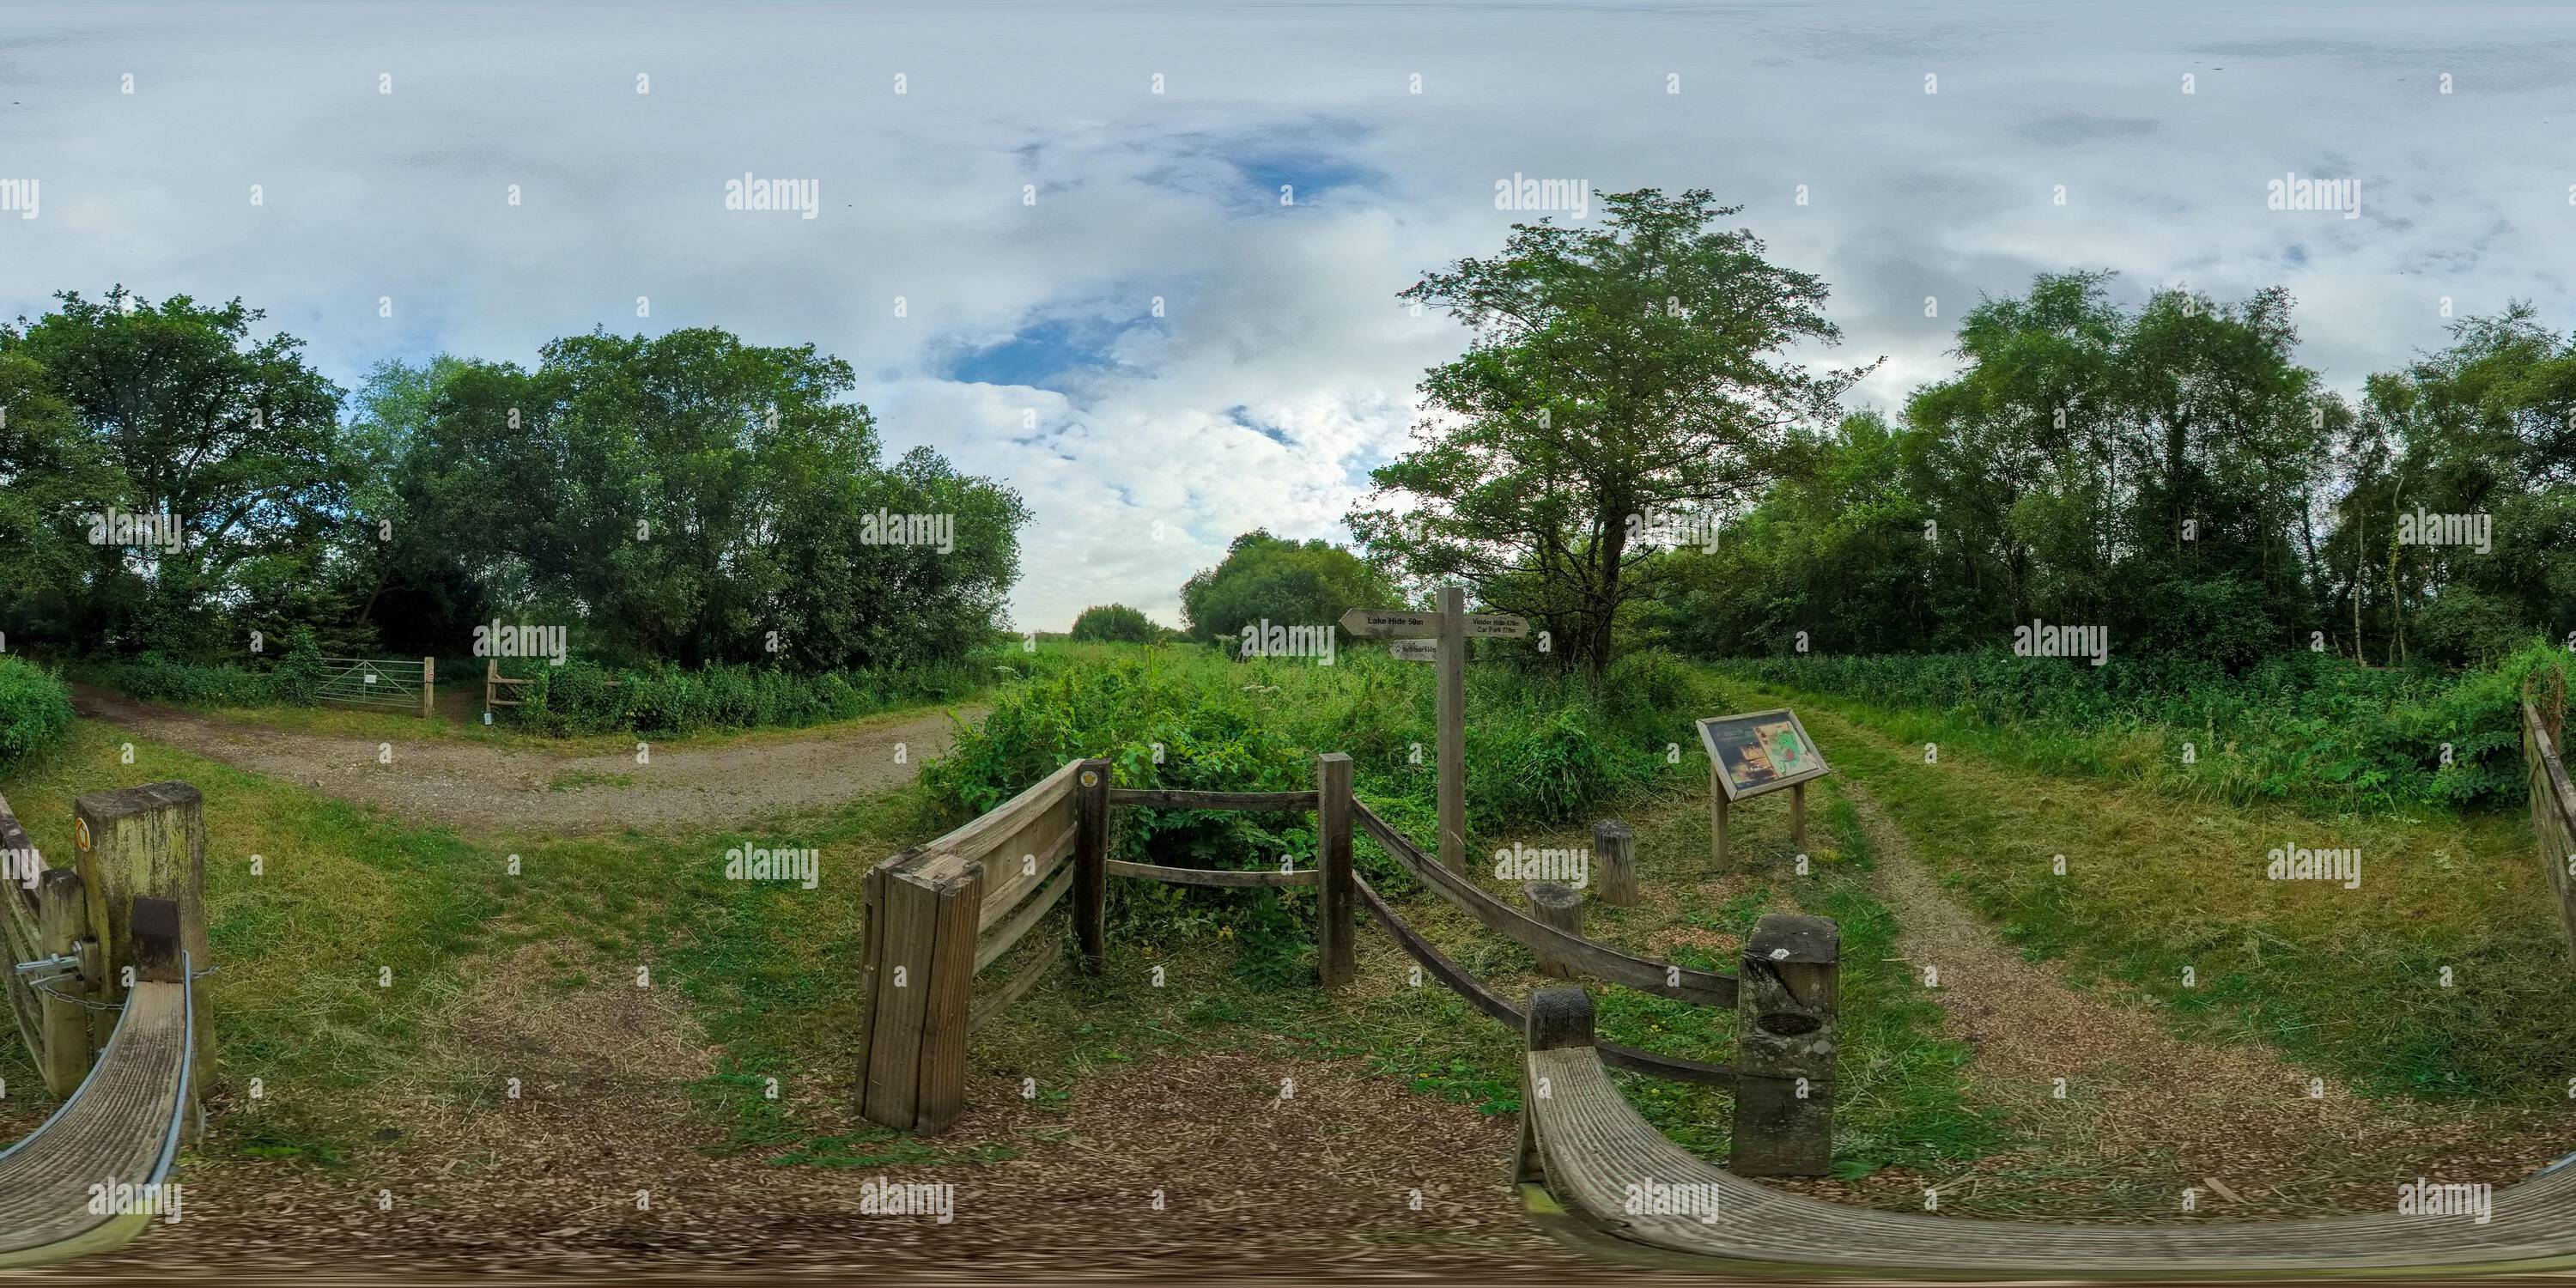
column 234, row 437
column 1620, row 375
column 1114, row 624
column 52, row 474
column 1264, row 577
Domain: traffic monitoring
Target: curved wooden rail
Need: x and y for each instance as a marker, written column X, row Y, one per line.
column 1485, row 999
column 1664, row 979
column 122, row 1125
column 1586, row 1158
column 1231, row 880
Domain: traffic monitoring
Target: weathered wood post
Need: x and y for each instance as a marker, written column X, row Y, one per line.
column 62, row 921
column 1798, row 817
column 1716, row 818
column 1786, row 1039
column 145, row 842
column 1561, row 907
column 1091, row 862
column 1453, row 728
column 428, row 687
column 1336, row 926
column 921, row 968
column 1614, row 848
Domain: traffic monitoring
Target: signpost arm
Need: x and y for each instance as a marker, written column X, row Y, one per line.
column 1453, row 728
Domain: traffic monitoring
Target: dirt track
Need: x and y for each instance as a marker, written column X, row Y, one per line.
column 475, row 785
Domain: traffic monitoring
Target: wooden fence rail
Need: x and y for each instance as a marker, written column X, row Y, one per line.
column 2553, row 812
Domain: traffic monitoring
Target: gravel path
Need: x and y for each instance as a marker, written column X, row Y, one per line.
column 478, row 786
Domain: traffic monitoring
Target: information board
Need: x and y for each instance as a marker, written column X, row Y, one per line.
column 1761, row 751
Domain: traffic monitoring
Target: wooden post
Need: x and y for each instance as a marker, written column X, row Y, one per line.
column 428, row 687
column 1786, row 1037
column 1798, row 817
column 1716, row 819
column 1562, row 908
column 921, row 974
column 1614, row 848
column 1336, row 925
column 1091, row 862
column 62, row 909
column 144, row 842
column 1453, row 728
column 1558, row 1018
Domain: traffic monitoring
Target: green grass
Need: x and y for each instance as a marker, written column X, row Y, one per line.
column 2351, row 979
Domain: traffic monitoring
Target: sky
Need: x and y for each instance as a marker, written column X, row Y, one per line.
column 1139, row 261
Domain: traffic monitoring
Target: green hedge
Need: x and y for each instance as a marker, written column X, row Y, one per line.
column 291, row 681
column 2302, row 726
column 665, row 701
column 35, row 708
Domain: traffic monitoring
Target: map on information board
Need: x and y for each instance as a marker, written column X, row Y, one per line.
column 1760, row 752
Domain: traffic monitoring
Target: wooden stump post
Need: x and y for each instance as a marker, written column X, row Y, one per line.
column 428, row 687
column 134, row 843
column 1562, row 908
column 1557, row 1018
column 1614, row 848
column 1798, row 817
column 1091, row 862
column 62, row 921
column 921, row 970
column 1786, row 1038
column 1336, row 924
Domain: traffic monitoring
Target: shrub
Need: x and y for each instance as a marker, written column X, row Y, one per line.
column 1114, row 624
column 35, row 708
column 663, row 700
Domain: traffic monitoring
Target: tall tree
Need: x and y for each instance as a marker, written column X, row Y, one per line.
column 1621, row 373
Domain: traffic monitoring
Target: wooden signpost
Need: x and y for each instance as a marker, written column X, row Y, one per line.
column 1450, row 628
column 1748, row 755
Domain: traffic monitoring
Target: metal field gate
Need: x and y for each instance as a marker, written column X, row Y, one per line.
column 380, row 682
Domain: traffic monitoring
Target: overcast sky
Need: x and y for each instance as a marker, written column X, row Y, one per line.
column 1280, row 369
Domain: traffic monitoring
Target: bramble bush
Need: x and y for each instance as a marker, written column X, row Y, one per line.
column 35, row 708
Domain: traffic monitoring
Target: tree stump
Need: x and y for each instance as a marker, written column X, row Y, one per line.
column 1614, row 849
column 1561, row 907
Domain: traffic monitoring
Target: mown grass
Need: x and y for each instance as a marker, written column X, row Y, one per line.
column 2443, row 975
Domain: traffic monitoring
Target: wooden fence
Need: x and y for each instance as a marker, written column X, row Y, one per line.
column 937, row 916
column 2553, row 802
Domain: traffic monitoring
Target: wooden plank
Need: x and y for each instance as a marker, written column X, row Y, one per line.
column 1224, row 879
column 1000, row 941
column 915, row 895
column 1483, row 998
column 20, row 934
column 1169, row 798
column 1664, row 979
column 1391, row 623
column 1022, row 873
column 945, row 1013
column 977, row 836
column 120, row 1123
column 1028, row 977
column 1336, row 956
column 63, row 1056
column 1091, row 863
